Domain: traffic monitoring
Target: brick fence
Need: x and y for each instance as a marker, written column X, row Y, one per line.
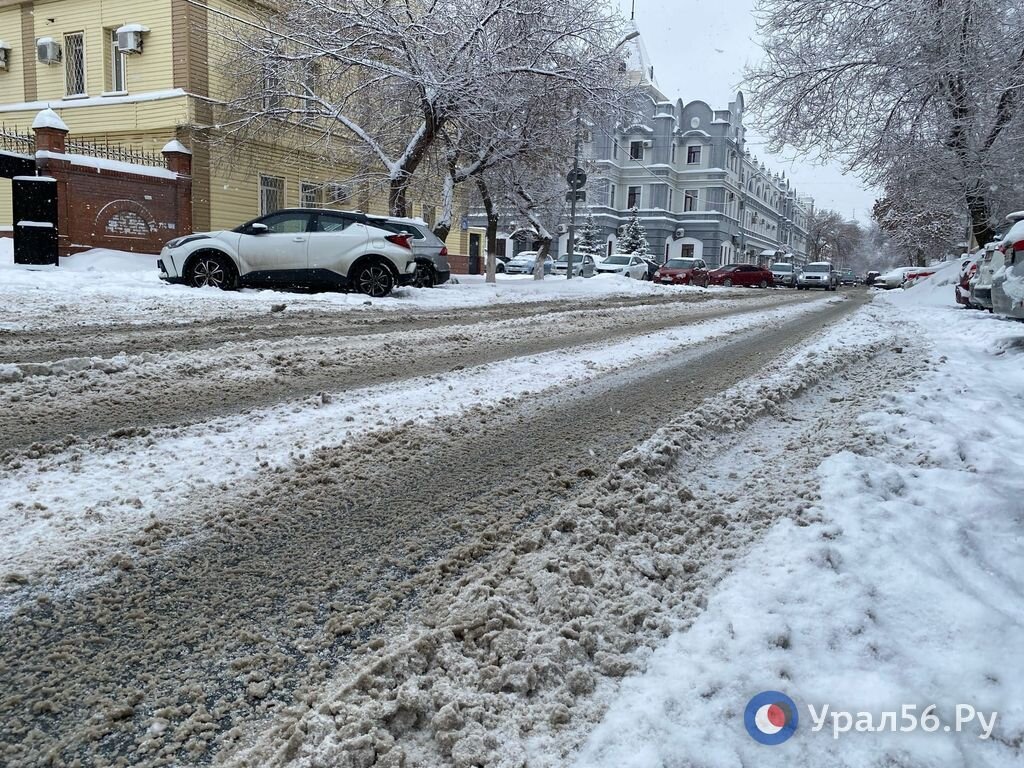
column 114, row 197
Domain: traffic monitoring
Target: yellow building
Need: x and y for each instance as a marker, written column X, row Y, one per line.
column 67, row 54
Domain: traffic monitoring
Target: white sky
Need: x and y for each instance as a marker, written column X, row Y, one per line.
column 699, row 49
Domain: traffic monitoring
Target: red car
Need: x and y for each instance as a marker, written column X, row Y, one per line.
column 968, row 269
column 742, row 274
column 683, row 272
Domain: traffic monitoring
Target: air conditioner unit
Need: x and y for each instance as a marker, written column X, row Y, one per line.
column 563, row 229
column 648, row 143
column 621, row 230
column 5, row 54
column 47, row 50
column 129, row 38
column 680, row 233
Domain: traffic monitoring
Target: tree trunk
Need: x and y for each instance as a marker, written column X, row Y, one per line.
column 978, row 209
column 542, row 254
column 397, row 205
column 491, row 244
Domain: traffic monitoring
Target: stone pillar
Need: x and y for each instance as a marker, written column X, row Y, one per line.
column 179, row 161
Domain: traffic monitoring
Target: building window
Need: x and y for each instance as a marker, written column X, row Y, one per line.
column 615, row 149
column 429, row 215
column 271, row 194
column 690, row 197
column 611, row 196
column 116, row 81
column 74, row 64
column 673, row 151
column 272, row 98
column 693, row 155
column 669, row 205
column 687, row 252
column 338, row 193
column 636, row 150
column 633, row 197
column 309, row 195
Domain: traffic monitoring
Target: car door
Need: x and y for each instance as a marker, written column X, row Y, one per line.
column 700, row 273
column 335, row 242
column 750, row 275
column 277, row 254
column 636, row 268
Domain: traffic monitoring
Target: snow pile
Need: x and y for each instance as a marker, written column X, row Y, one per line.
column 520, row 652
column 103, row 287
column 907, row 590
column 937, row 290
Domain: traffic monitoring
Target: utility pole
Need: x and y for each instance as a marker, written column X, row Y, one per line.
column 571, row 250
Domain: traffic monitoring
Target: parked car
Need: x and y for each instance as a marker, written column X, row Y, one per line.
column 623, row 264
column 894, row 278
column 1008, row 282
column 683, row 271
column 968, row 272
column 583, row 265
column 431, row 253
column 784, row 274
column 918, row 273
column 741, row 274
column 522, row 264
column 981, row 285
column 295, row 247
column 847, row 277
column 871, row 277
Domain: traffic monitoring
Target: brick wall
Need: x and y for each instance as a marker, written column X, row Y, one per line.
column 109, row 203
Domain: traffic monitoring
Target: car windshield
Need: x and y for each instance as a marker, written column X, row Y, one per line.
column 617, row 261
column 681, row 263
column 816, row 268
column 782, row 267
column 729, row 268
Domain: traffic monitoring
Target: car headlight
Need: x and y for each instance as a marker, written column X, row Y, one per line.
column 180, row 241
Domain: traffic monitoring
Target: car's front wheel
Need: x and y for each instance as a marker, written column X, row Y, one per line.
column 374, row 278
column 763, row 284
column 213, row 271
column 727, row 282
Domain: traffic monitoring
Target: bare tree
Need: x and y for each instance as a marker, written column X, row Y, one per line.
column 886, row 84
column 388, row 80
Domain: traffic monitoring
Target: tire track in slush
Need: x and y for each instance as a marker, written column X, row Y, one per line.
column 166, row 661
column 187, row 394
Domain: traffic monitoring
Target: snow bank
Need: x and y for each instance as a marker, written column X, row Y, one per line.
column 937, row 290
column 909, row 589
column 104, row 287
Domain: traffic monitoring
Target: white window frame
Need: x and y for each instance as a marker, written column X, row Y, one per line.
column 310, row 194
column 638, row 200
column 611, row 195
column 668, row 201
column 266, row 188
column 691, row 200
column 640, row 157
column 68, row 63
column 117, row 64
column 700, row 153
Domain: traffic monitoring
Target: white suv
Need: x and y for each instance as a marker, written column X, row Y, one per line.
column 290, row 248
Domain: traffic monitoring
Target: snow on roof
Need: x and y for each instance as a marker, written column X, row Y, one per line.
column 176, row 146
column 637, row 58
column 92, row 101
column 44, row 40
column 47, row 118
column 132, row 28
column 1015, row 216
column 4, row 45
column 102, row 163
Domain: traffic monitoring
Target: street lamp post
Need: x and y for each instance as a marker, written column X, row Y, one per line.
column 571, row 250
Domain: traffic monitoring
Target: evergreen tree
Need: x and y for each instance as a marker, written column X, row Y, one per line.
column 634, row 239
column 587, row 242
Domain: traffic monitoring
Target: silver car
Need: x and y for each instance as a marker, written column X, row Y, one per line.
column 818, row 274
column 431, row 253
column 784, row 274
column 522, row 264
column 583, row 265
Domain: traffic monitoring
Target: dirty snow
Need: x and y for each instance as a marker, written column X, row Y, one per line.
column 908, row 588
column 58, row 501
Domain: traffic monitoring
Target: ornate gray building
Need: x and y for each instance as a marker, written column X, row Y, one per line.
column 698, row 191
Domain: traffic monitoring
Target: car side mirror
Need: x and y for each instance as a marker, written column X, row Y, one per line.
column 258, row 228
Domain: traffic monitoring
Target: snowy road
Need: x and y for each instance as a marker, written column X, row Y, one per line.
column 102, row 379
column 163, row 640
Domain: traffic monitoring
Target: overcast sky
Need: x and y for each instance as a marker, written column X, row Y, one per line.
column 699, row 49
